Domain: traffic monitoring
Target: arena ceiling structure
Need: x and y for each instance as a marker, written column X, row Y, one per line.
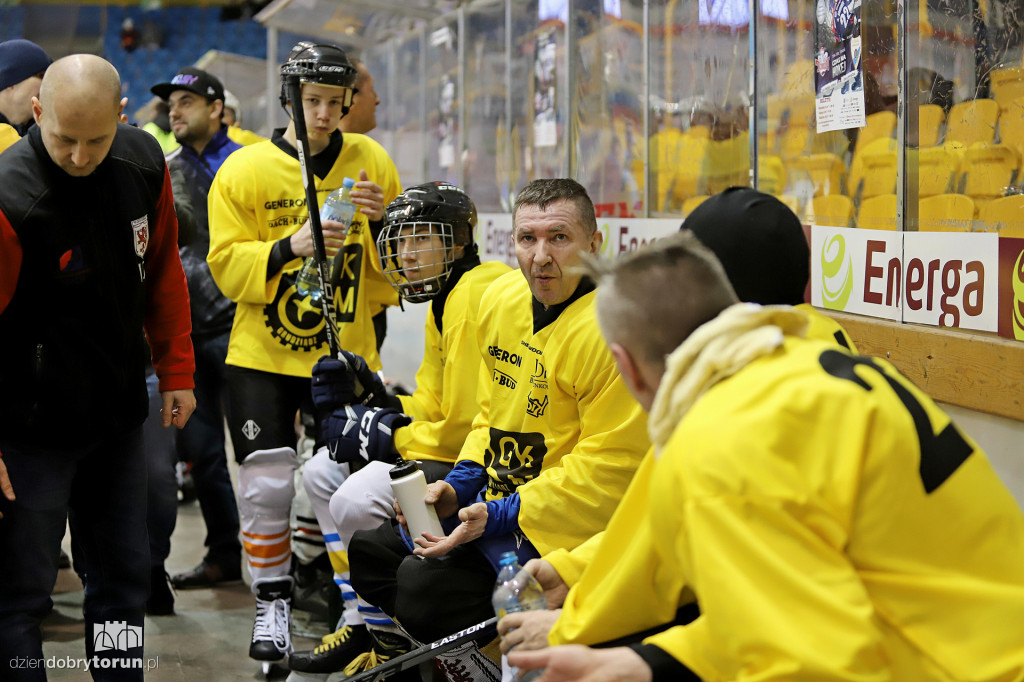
column 357, row 24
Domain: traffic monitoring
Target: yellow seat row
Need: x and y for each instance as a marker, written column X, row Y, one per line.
column 940, row 213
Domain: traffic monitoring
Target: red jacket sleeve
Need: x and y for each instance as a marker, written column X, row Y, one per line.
column 168, row 320
column 10, row 262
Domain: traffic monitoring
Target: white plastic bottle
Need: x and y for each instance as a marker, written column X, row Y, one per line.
column 516, row 590
column 410, row 487
column 337, row 206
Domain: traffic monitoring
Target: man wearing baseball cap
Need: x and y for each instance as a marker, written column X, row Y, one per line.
column 196, row 102
column 22, row 64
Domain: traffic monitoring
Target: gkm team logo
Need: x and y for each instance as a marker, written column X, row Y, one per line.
column 512, row 459
column 294, row 321
column 837, row 273
column 1018, row 298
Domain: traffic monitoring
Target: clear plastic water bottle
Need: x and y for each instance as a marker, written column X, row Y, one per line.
column 517, row 590
column 337, row 206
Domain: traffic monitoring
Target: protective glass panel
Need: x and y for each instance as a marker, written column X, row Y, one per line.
column 826, row 76
column 699, row 142
column 486, row 154
column 377, row 63
column 405, row 115
column 965, row 85
column 538, row 142
column 607, row 111
column 443, row 101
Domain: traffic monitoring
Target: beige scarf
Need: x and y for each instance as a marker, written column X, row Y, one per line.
column 715, row 351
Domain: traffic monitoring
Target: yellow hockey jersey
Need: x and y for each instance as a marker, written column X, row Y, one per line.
column 556, row 422
column 441, row 406
column 833, row 523
column 257, row 198
column 570, row 565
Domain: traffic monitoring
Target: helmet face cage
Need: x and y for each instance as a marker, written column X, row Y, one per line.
column 440, row 252
column 322, row 64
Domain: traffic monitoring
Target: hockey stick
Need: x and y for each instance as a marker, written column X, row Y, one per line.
column 323, row 268
column 487, row 630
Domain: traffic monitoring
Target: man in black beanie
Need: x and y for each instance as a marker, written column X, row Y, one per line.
column 762, row 247
column 22, row 64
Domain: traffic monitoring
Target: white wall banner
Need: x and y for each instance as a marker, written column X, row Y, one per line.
column 951, row 279
column 935, row 278
column 620, row 235
column 852, row 270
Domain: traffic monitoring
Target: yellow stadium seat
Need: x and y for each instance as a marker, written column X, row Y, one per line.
column 879, row 174
column 833, row 210
column 1005, row 216
column 800, row 111
column 664, row 160
column 878, row 125
column 945, row 213
column 690, row 162
column 692, row 203
column 1011, row 126
column 937, row 170
column 972, row 121
column 880, row 146
column 794, row 143
column 771, row 174
column 700, row 131
column 878, row 213
column 1007, row 85
column 989, row 170
column 791, row 202
column 826, row 171
column 798, row 77
column 728, row 163
column 929, row 124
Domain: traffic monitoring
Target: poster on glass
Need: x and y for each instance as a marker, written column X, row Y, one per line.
column 838, row 68
column 544, row 125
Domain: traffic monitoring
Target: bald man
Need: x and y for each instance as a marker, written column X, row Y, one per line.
column 89, row 271
column 362, row 115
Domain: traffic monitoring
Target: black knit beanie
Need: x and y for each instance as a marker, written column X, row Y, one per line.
column 759, row 241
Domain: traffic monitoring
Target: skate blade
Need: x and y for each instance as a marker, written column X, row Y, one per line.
column 275, row 669
column 296, row 676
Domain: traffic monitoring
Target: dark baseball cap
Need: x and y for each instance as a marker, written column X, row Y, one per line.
column 194, row 80
column 759, row 241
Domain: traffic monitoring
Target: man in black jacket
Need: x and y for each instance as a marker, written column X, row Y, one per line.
column 196, row 102
column 89, row 272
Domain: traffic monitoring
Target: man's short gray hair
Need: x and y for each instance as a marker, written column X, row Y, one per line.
column 541, row 193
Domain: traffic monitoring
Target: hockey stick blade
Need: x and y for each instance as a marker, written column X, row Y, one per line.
column 486, row 630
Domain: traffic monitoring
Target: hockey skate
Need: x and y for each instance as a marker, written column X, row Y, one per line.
column 271, row 631
column 335, row 651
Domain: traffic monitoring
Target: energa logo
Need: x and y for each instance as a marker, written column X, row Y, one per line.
column 1018, row 298
column 836, row 273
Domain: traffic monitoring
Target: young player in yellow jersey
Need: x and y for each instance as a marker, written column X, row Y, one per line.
column 552, row 449
column 259, row 235
column 427, row 252
column 831, row 521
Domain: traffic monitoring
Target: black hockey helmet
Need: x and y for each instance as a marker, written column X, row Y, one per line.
column 319, row 63
column 433, row 209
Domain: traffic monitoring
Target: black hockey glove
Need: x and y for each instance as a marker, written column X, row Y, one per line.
column 336, row 384
column 358, row 433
